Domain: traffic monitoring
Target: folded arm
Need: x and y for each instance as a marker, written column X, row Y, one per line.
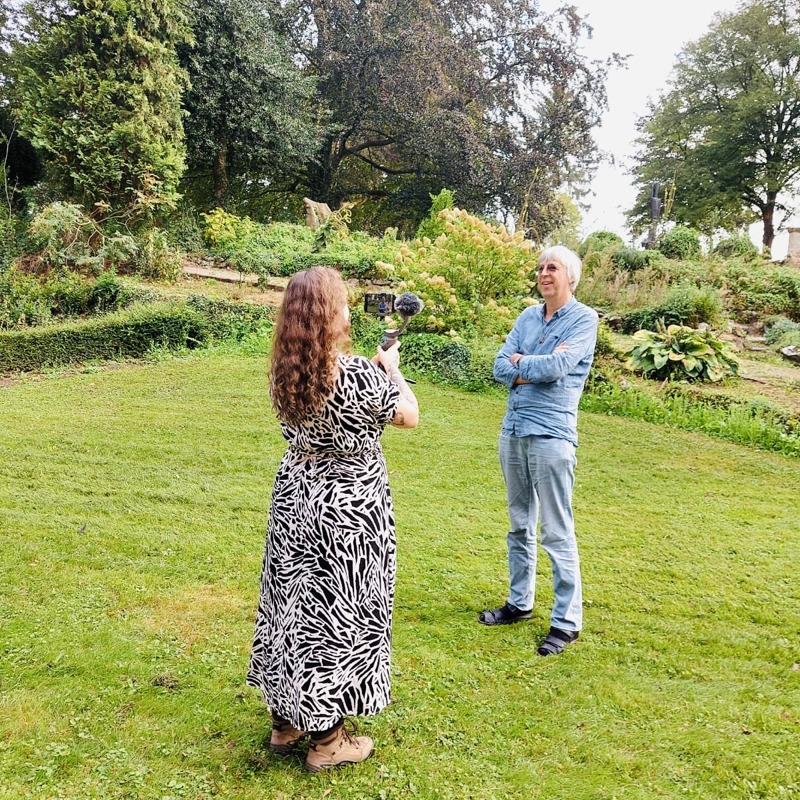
column 513, row 367
column 579, row 341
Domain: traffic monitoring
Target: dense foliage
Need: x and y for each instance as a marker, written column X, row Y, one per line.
column 685, row 303
column 96, row 87
column 26, row 301
column 378, row 104
column 474, row 277
column 283, row 248
column 738, row 246
column 782, row 332
column 680, row 243
column 630, row 259
column 250, row 111
column 599, row 240
column 494, row 100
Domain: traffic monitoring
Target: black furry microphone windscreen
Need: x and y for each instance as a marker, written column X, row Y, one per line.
column 408, row 304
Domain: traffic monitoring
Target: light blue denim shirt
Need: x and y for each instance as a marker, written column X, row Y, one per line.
column 548, row 406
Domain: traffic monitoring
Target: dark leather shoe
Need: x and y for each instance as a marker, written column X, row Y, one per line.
column 555, row 642
column 504, row 615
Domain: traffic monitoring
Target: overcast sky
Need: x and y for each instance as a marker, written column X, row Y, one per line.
column 652, row 33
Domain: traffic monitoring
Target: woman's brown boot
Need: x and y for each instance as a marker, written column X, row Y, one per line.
column 338, row 749
column 285, row 737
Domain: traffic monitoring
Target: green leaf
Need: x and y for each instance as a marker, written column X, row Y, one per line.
column 660, row 359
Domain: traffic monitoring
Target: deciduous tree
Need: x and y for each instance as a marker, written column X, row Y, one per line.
column 492, row 99
column 728, row 131
column 251, row 122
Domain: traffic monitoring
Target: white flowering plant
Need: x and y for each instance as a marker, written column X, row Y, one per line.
column 475, row 277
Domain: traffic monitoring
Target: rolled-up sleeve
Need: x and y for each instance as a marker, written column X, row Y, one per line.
column 504, row 371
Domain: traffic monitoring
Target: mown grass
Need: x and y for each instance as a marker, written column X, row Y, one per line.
column 132, row 510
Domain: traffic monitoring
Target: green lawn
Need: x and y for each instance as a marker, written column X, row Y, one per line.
column 132, row 511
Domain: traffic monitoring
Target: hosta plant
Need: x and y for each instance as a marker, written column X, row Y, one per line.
column 681, row 353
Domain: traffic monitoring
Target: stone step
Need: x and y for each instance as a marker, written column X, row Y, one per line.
column 233, row 276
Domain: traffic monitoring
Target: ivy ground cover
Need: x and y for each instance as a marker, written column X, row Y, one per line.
column 132, row 511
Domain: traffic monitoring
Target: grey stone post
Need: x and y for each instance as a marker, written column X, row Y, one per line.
column 793, row 256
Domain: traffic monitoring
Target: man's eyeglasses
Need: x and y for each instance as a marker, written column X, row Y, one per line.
column 548, row 269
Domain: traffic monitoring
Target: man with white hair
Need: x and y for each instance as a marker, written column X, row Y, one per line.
column 544, row 363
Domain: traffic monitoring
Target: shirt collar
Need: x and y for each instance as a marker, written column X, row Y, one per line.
column 561, row 311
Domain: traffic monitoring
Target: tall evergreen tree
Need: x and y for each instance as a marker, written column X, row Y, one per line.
column 250, row 124
column 97, row 88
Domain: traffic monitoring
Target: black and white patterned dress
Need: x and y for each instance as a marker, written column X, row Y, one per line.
column 323, row 629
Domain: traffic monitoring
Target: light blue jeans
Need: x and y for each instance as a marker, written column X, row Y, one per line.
column 540, row 474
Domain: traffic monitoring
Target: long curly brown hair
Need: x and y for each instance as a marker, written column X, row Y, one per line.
column 311, row 331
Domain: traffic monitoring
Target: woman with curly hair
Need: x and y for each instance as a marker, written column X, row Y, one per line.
column 323, row 628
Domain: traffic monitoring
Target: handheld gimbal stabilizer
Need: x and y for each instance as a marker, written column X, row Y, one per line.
column 407, row 305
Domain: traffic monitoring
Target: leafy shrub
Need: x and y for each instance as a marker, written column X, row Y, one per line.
column 119, row 250
column 65, row 237
column 473, row 278
column 445, row 360
column 442, row 359
column 246, row 244
column 184, row 232
column 10, row 245
column 605, row 346
column 777, row 327
column 433, row 225
column 107, row 293
column 599, row 241
column 781, row 332
column 283, row 249
column 763, row 290
column 22, row 300
column 28, row 301
column 680, row 243
column 789, row 338
column 355, row 266
column 284, row 239
column 684, row 304
column 156, row 260
column 630, row 259
column 740, row 246
column 680, row 352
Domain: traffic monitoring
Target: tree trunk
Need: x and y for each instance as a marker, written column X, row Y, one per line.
column 220, row 171
column 321, row 175
column 768, row 217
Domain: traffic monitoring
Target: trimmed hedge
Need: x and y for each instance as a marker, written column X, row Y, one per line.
column 225, row 319
column 124, row 334
column 130, row 333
